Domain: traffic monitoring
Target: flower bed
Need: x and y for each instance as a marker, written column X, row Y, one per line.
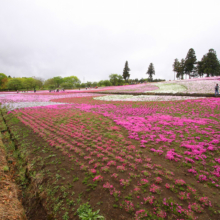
column 135, row 148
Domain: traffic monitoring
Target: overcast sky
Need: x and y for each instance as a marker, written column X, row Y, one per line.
column 93, row 38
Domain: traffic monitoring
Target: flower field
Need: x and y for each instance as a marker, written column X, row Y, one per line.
column 190, row 86
column 137, row 157
column 187, row 86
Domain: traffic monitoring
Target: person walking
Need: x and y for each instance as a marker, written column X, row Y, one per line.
column 216, row 90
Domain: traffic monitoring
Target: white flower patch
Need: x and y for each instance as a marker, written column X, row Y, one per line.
column 114, row 97
column 189, row 86
column 169, row 88
column 18, row 105
column 144, row 98
column 200, row 86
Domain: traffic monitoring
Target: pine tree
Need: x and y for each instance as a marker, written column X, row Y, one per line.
column 176, row 65
column 151, row 71
column 126, row 70
column 190, row 62
column 181, row 69
column 199, row 68
column 210, row 64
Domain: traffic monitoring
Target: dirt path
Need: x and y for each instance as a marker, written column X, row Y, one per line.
column 10, row 206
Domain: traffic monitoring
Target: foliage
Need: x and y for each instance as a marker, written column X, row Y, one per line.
column 176, row 65
column 50, row 84
column 3, row 80
column 116, row 79
column 85, row 213
column 151, row 71
column 31, row 83
column 57, row 80
column 126, row 70
column 14, row 84
column 190, row 62
column 104, row 83
column 66, row 82
column 210, row 64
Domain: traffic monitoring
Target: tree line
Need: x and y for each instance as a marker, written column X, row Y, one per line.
column 208, row 66
column 72, row 82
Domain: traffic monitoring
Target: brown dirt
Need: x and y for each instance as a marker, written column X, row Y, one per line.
column 38, row 204
column 10, row 206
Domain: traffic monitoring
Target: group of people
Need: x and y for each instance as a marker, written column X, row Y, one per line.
column 56, row 90
column 26, row 91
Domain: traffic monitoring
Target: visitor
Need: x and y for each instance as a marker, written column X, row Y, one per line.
column 216, row 90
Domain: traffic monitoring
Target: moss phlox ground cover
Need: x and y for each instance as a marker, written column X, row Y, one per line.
column 133, row 150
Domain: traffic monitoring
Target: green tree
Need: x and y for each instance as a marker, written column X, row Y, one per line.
column 83, row 85
column 116, row 79
column 88, row 84
column 50, row 83
column 151, row 71
column 210, row 64
column 94, row 84
column 181, row 69
column 126, row 70
column 26, row 83
column 142, row 80
column 200, row 69
column 101, row 83
column 31, row 83
column 14, row 84
column 58, row 80
column 107, row 83
column 190, row 62
column 3, row 80
column 176, row 66
column 71, row 81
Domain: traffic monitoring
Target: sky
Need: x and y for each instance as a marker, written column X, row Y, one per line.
column 92, row 39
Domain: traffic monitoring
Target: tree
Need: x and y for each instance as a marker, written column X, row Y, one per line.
column 151, row 71
column 88, row 84
column 32, row 83
column 199, row 68
column 58, row 80
column 107, row 83
column 116, row 79
column 50, row 83
column 210, row 64
column 126, row 70
column 142, row 80
column 176, row 66
column 113, row 79
column 73, row 80
column 39, row 82
column 190, row 62
column 181, row 69
column 94, row 84
column 3, row 80
column 14, row 83
column 136, row 80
